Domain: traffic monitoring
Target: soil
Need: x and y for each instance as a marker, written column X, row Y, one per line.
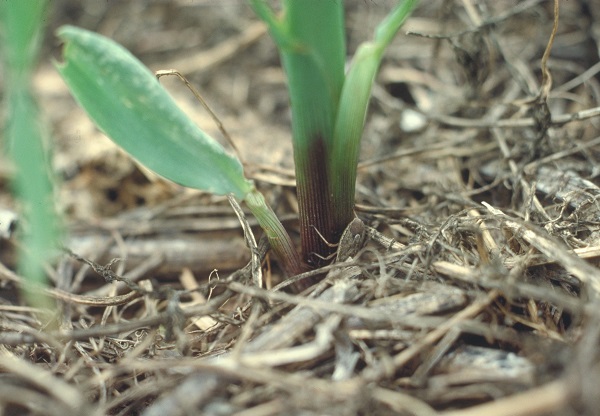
column 477, row 291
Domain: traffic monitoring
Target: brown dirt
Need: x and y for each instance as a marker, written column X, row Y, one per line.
column 477, row 293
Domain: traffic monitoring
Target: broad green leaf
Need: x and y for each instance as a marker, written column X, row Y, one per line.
column 127, row 102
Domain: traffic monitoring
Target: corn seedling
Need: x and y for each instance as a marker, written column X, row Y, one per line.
column 329, row 107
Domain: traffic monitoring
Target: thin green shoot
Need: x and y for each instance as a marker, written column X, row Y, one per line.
column 33, row 182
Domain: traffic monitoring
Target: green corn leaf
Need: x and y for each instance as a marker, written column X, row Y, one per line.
column 387, row 29
column 348, row 131
column 277, row 26
column 352, row 112
column 127, row 102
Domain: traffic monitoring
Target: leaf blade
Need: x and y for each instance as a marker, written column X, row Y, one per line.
column 127, row 103
column 352, row 111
